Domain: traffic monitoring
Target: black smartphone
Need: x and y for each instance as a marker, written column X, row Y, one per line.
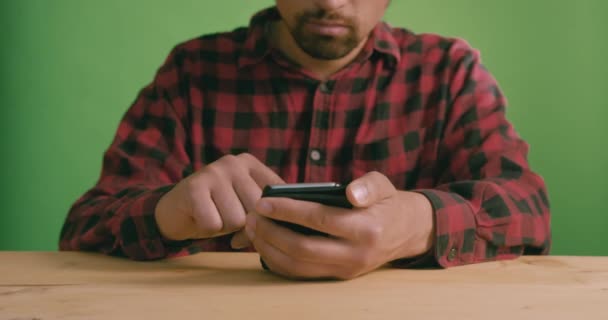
column 330, row 194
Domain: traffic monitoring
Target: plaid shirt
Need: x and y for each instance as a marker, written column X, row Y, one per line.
column 420, row 109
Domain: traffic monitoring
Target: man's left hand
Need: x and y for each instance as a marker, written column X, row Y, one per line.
column 384, row 225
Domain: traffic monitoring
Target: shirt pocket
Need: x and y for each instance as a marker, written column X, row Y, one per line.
column 397, row 157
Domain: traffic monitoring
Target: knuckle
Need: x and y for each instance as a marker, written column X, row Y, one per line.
column 214, row 170
column 317, row 219
column 209, row 227
column 229, row 158
column 245, row 156
column 227, row 161
column 234, row 223
column 371, row 178
column 382, row 182
column 243, row 163
column 302, row 249
column 193, row 182
column 372, row 234
column 376, row 175
column 194, row 200
column 246, row 159
column 194, row 188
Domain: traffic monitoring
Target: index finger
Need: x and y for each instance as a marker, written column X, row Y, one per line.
column 261, row 174
column 249, row 183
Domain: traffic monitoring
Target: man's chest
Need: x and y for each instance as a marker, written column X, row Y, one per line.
column 321, row 131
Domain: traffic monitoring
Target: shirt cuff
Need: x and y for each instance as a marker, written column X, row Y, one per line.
column 140, row 235
column 455, row 228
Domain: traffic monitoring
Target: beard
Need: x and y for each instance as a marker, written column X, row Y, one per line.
column 323, row 46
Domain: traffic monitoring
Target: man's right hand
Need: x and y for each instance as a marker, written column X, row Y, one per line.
column 215, row 200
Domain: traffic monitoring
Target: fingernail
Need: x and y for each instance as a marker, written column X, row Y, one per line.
column 263, row 207
column 250, row 227
column 360, row 193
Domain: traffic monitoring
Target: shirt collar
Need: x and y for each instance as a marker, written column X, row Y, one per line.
column 383, row 41
column 257, row 47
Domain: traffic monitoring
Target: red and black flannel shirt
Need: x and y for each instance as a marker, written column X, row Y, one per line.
column 419, row 108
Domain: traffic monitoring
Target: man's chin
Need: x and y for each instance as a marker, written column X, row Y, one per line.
column 326, row 49
column 327, row 54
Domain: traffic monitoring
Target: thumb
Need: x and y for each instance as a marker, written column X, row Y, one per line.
column 240, row 240
column 369, row 189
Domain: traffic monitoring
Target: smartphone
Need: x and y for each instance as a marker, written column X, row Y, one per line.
column 329, row 193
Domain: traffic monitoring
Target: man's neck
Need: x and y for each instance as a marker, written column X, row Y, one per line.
column 281, row 38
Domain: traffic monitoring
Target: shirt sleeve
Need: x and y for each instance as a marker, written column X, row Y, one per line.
column 488, row 204
column 146, row 158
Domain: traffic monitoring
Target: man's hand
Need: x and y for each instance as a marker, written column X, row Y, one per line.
column 384, row 225
column 215, row 200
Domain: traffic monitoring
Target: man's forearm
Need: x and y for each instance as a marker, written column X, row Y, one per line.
column 122, row 226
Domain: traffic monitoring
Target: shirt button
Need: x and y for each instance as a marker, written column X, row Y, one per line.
column 452, row 255
column 324, row 87
column 315, row 155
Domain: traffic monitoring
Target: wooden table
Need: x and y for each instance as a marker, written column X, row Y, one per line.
column 53, row 285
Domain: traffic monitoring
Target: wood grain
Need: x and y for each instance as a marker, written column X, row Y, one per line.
column 65, row 285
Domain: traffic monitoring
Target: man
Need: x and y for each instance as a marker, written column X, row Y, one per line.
column 318, row 91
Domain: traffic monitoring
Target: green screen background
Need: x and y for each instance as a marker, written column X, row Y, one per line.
column 70, row 69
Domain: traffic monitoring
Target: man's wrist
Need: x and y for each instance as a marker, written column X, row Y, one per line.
column 421, row 225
